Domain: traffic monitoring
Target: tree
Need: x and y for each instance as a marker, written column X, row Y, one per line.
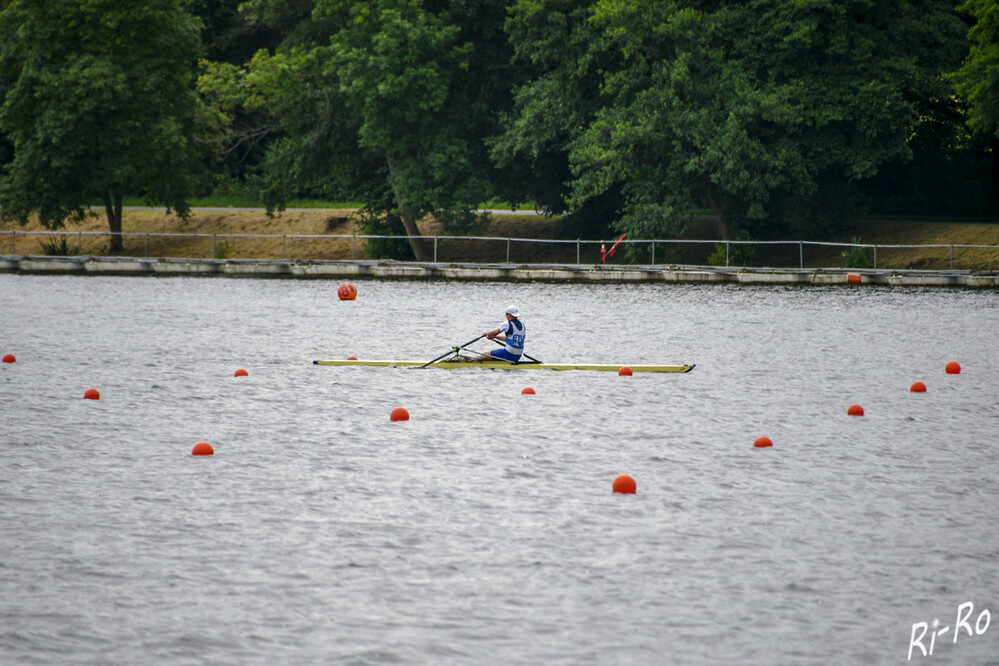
column 389, row 101
column 753, row 109
column 978, row 78
column 102, row 106
column 556, row 88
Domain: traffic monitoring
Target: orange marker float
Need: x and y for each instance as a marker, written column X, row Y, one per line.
column 624, row 484
column 202, row 449
column 347, row 292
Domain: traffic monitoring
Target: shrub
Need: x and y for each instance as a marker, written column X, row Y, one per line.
column 857, row 256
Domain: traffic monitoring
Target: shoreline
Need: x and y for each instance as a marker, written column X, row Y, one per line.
column 402, row 270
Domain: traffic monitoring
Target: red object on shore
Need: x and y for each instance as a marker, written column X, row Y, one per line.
column 605, row 253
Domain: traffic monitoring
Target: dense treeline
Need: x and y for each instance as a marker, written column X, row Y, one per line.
column 780, row 117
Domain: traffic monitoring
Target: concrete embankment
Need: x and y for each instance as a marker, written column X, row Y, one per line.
column 386, row 269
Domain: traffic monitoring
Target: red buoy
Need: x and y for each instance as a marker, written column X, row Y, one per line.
column 625, row 372
column 399, row 414
column 527, row 391
column 853, row 278
column 8, row 358
column 242, row 373
column 953, row 367
column 762, row 442
column 918, row 387
column 351, row 358
column 347, row 292
column 202, row 449
column 855, row 410
column 92, row 394
column 624, row 484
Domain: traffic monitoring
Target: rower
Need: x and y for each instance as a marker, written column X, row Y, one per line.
column 512, row 332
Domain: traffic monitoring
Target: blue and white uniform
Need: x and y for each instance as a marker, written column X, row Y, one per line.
column 515, row 333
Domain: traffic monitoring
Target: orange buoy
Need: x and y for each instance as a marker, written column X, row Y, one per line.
column 918, row 387
column 351, row 358
column 242, row 373
column 762, row 442
column 347, row 292
column 527, row 391
column 624, row 484
column 8, row 358
column 953, row 367
column 92, row 394
column 202, row 449
column 624, row 372
column 855, row 410
column 853, row 278
column 399, row 414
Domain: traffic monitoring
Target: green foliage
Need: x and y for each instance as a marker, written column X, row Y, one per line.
column 101, row 105
column 734, row 254
column 858, row 256
column 387, row 102
column 752, row 106
column 978, row 77
column 58, row 248
column 384, row 248
column 223, row 249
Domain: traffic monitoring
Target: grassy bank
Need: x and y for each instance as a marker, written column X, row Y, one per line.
column 240, row 233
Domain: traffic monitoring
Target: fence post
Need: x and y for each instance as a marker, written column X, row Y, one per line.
column 726, row 254
column 353, row 246
column 215, row 252
column 284, row 246
column 79, row 242
column 952, row 257
column 801, row 254
column 508, row 250
column 13, row 242
column 577, row 251
column 653, row 253
column 875, row 257
column 147, row 244
column 435, row 249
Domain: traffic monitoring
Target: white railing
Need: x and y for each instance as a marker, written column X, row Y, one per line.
column 645, row 252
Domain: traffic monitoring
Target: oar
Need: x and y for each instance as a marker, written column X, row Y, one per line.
column 451, row 351
column 534, row 360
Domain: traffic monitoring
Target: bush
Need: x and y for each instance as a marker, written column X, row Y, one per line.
column 857, row 256
column 58, row 248
column 739, row 254
column 385, row 248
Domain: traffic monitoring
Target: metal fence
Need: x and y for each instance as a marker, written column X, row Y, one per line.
column 488, row 249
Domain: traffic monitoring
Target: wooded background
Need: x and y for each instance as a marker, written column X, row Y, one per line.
column 782, row 119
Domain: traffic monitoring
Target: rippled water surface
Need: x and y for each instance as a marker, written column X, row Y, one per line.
column 484, row 530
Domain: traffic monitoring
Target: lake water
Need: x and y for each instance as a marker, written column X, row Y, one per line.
column 484, row 530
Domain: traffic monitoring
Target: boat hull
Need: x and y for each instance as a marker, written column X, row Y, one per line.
column 503, row 365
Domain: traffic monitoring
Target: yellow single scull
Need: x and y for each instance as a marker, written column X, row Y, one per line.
column 503, row 365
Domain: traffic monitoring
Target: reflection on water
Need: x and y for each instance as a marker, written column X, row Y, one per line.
column 483, row 530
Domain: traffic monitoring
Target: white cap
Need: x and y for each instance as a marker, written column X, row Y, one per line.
column 512, row 311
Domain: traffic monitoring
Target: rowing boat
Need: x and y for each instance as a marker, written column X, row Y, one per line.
column 461, row 362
